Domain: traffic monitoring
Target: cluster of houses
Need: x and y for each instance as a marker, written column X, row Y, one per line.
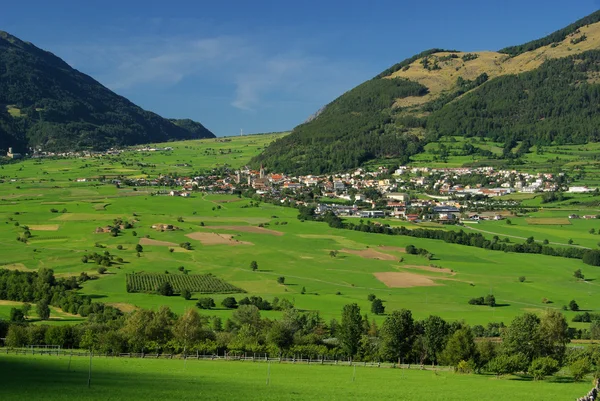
column 372, row 194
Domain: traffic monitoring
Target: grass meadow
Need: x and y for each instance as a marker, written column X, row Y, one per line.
column 50, row 378
column 298, row 251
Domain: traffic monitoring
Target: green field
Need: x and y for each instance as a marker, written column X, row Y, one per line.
column 48, row 378
column 299, row 252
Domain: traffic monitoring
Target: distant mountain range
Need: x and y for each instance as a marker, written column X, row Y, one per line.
column 44, row 103
column 543, row 92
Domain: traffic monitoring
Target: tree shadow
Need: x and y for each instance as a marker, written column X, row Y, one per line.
column 501, row 305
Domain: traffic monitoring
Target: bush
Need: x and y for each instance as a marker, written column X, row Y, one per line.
column 139, row 248
column 101, row 270
column 205, row 303
column 166, row 289
column 254, row 266
column 186, row 294
column 281, row 280
column 490, row 300
column 229, row 303
column 120, row 247
column 542, row 367
column 371, row 297
column 592, row 257
column 477, row 301
column 578, row 274
column 377, row 307
column 573, row 306
column 522, row 279
column 579, row 369
column 465, row 367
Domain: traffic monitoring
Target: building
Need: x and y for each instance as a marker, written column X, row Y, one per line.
column 399, row 196
column 13, row 155
column 374, row 214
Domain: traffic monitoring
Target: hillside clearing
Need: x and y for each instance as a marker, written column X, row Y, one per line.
column 404, row 280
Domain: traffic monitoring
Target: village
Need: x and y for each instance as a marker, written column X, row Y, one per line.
column 448, row 195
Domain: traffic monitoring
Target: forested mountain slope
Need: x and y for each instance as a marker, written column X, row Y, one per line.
column 545, row 91
column 46, row 103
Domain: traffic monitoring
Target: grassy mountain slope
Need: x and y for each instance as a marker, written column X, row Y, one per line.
column 46, row 103
column 193, row 126
column 544, row 90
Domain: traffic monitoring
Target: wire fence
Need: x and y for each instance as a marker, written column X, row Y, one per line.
column 242, row 357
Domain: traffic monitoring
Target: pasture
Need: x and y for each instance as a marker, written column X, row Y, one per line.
column 223, row 231
column 51, row 378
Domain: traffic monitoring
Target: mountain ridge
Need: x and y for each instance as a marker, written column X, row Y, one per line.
column 451, row 86
column 45, row 103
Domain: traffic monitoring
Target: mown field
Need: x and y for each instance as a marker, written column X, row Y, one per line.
column 49, row 378
column 225, row 238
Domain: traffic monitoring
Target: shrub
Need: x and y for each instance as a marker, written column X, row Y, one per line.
column 579, row 369
column 101, row 270
column 281, row 280
column 377, row 307
column 477, row 301
column 465, row 367
column 490, row 300
column 139, row 248
column 542, row 367
column 229, row 303
column 371, row 297
column 522, row 279
column 165, row 289
column 120, row 247
column 578, row 274
column 205, row 303
column 186, row 294
column 573, row 306
column 254, row 266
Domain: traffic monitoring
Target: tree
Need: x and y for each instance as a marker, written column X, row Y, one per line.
column 460, row 347
column 523, row 337
column 303, row 291
column 371, row 297
column 43, row 310
column 280, row 335
column 580, row 368
column 350, row 329
column 490, row 300
column 181, row 268
column 436, row 330
column 578, row 274
column 166, row 289
column 570, row 241
column 254, row 266
column 281, row 280
column 16, row 315
column 247, row 314
column 139, row 248
column 333, row 254
column 397, row 335
column 522, row 279
column 573, row 305
column 377, row 307
column 554, row 334
column 186, row 294
column 26, row 308
column 187, row 328
column 542, row 367
column 101, row 270
column 229, row 303
column 205, row 303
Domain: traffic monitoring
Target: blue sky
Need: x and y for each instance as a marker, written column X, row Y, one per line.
column 265, row 65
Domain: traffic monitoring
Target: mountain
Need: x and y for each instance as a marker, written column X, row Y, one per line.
column 46, row 103
column 193, row 126
column 544, row 92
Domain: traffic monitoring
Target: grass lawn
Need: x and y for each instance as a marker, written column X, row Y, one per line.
column 48, row 378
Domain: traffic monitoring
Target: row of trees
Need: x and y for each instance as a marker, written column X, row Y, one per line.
column 43, row 287
column 529, row 344
column 460, row 237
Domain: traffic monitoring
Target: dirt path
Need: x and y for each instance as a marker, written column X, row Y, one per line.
column 515, row 236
